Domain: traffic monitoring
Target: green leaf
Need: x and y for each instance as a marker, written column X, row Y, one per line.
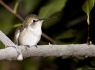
column 16, row 6
column 17, row 25
column 51, row 8
column 87, row 6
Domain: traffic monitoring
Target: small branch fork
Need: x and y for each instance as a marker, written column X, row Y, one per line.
column 13, row 52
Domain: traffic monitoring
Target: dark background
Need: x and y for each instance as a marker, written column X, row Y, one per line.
column 70, row 27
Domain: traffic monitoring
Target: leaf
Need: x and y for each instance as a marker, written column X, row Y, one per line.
column 51, row 8
column 16, row 6
column 17, row 25
column 87, row 6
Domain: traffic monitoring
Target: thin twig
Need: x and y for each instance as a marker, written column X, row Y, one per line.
column 19, row 17
column 9, row 9
column 48, row 38
column 88, row 36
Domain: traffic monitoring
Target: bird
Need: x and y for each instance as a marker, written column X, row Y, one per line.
column 29, row 33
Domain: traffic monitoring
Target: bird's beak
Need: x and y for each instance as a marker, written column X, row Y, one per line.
column 47, row 18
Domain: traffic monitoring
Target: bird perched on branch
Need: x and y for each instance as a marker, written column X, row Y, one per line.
column 29, row 33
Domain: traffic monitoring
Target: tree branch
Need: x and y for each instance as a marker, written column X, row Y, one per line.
column 19, row 17
column 5, row 40
column 11, row 52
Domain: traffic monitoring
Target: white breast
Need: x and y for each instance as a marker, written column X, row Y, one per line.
column 30, row 36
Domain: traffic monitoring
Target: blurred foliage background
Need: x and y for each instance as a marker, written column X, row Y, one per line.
column 70, row 27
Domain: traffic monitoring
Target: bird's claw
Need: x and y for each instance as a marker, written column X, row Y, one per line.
column 30, row 46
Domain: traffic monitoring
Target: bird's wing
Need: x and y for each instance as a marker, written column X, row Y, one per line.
column 16, row 36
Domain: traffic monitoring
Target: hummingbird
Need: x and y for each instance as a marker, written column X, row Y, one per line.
column 29, row 33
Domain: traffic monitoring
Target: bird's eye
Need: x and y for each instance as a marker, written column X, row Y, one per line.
column 34, row 20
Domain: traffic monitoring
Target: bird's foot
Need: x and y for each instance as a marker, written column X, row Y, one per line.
column 36, row 46
column 28, row 46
